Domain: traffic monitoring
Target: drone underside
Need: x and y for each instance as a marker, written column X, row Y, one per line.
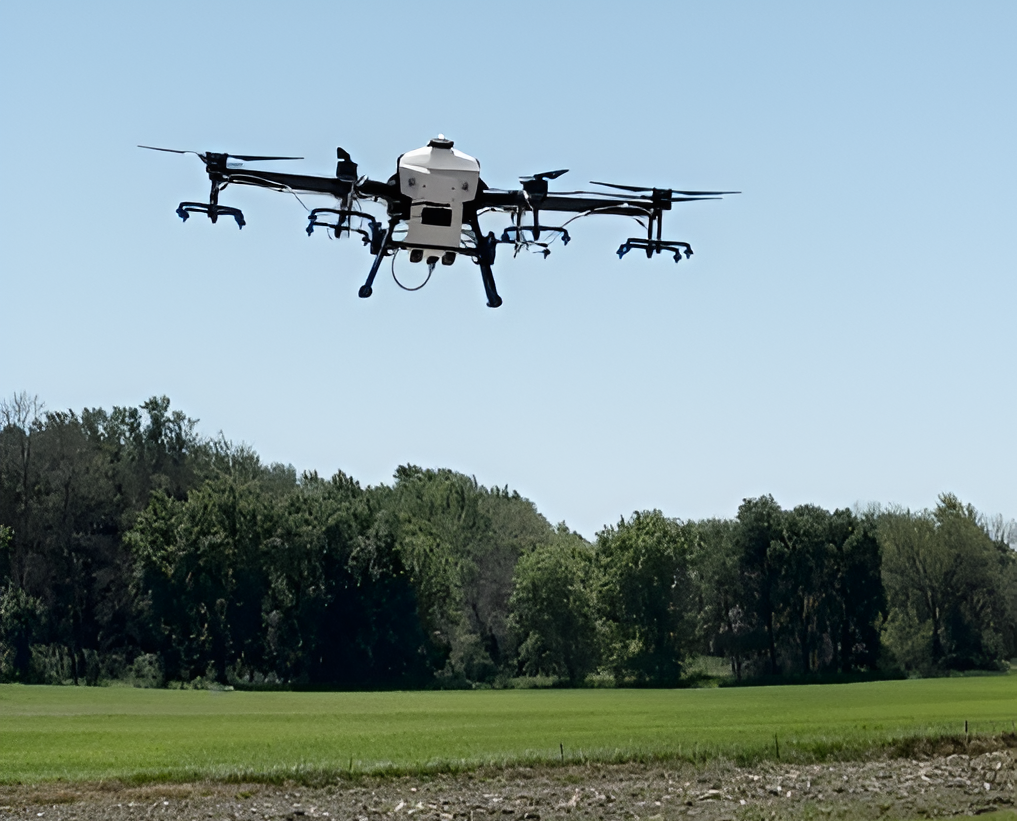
column 433, row 203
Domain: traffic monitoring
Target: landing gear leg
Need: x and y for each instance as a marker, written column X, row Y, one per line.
column 365, row 289
column 487, row 245
column 493, row 300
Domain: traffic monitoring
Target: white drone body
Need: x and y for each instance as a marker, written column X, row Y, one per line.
column 437, row 179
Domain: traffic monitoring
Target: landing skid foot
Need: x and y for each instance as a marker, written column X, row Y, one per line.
column 656, row 246
column 212, row 210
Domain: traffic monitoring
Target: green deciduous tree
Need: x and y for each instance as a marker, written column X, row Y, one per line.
column 757, row 541
column 724, row 625
column 246, row 584
column 649, row 595
column 20, row 619
column 855, row 599
column 515, row 527
column 459, row 543
column 554, row 610
column 341, row 607
column 69, row 486
column 201, row 574
column 811, row 587
column 946, row 587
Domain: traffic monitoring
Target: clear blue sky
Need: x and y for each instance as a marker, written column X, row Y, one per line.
column 843, row 334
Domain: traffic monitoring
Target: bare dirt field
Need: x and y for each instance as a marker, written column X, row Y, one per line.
column 979, row 780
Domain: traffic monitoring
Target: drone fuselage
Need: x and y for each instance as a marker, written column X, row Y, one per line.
column 438, row 180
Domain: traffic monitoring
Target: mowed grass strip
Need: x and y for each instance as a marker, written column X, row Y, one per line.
column 87, row 734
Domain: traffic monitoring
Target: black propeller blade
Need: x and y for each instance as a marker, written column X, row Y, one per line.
column 545, row 175
column 170, row 150
column 205, row 157
column 639, row 189
column 622, row 198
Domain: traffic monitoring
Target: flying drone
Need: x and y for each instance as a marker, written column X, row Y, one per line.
column 433, row 204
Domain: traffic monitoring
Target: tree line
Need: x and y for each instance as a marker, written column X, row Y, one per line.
column 134, row 549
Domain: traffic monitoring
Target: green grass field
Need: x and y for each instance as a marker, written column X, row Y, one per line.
column 79, row 734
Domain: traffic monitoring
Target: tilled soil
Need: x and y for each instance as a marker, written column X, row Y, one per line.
column 939, row 786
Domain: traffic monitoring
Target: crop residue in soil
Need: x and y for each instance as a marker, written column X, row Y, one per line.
column 941, row 786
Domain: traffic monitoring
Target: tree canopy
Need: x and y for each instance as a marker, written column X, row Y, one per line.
column 133, row 548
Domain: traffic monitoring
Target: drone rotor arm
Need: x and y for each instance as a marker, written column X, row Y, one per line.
column 257, row 158
column 575, row 205
column 297, row 183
